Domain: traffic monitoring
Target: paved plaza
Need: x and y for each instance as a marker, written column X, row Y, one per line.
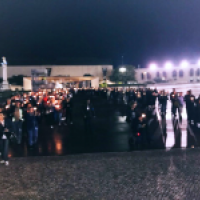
column 157, row 174
column 69, row 164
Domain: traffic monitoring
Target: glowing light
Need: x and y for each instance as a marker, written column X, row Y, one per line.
column 168, row 65
column 122, row 69
column 198, row 62
column 153, row 66
column 184, row 63
column 143, row 115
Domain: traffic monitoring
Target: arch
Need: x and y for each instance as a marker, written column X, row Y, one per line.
column 198, row 72
column 174, row 74
column 191, row 72
column 164, row 74
column 181, row 74
column 142, row 76
column 148, row 76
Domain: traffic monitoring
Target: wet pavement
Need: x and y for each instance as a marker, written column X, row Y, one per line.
column 159, row 174
column 167, row 172
column 110, row 133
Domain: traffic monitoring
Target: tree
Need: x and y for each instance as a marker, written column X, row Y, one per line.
column 16, row 80
column 128, row 75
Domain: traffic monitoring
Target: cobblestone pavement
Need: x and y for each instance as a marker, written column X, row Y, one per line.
column 157, row 174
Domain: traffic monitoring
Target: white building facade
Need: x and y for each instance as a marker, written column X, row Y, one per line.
column 61, row 70
column 182, row 77
column 173, row 74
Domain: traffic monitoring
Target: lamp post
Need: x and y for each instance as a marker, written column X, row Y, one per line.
column 123, row 70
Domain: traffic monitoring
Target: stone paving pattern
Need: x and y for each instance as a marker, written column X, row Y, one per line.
column 157, row 174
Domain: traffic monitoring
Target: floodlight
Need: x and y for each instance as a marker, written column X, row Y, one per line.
column 153, row 66
column 122, row 69
column 184, row 63
column 168, row 65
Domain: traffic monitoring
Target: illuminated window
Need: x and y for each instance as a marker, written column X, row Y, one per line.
column 181, row 73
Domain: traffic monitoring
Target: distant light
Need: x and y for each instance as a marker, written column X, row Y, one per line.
column 122, row 69
column 184, row 63
column 168, row 65
column 153, row 66
column 198, row 62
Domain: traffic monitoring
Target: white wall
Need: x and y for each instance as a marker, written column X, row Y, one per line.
column 95, row 82
column 27, row 84
column 64, row 70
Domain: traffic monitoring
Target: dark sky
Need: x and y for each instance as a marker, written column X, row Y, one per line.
column 58, row 31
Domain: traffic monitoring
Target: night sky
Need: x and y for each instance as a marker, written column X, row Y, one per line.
column 67, row 31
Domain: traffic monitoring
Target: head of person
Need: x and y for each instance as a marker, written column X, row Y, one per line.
column 17, row 104
column 133, row 106
column 140, row 118
column 88, row 101
column 2, row 116
column 29, row 105
column 68, row 99
column 174, row 90
column 8, row 101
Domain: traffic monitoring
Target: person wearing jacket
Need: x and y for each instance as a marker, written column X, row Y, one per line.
column 32, row 119
column 17, row 118
column 88, row 114
column 190, row 105
column 162, row 98
column 68, row 106
column 6, row 129
column 181, row 104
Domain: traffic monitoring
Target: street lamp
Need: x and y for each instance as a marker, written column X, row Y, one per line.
column 184, row 63
column 168, row 65
column 122, row 69
column 153, row 66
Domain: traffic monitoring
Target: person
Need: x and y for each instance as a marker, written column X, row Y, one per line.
column 140, row 129
column 181, row 104
column 58, row 112
column 8, row 109
column 88, row 114
column 162, row 98
column 154, row 95
column 174, row 102
column 17, row 121
column 190, row 105
column 198, row 112
column 68, row 110
column 32, row 118
column 5, row 131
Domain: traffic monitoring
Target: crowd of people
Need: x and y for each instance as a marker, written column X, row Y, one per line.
column 21, row 114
